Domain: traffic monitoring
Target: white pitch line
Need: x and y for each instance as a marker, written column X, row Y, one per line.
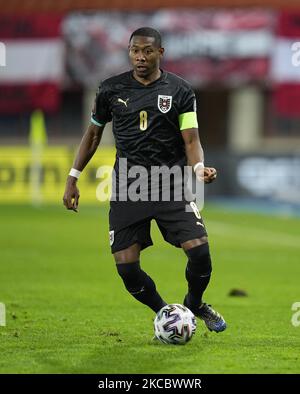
column 253, row 234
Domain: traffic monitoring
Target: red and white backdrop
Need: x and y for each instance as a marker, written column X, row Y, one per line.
column 285, row 70
column 228, row 46
column 34, row 63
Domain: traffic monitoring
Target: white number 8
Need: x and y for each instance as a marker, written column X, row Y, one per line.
column 195, row 209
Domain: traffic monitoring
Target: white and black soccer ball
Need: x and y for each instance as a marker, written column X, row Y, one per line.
column 174, row 324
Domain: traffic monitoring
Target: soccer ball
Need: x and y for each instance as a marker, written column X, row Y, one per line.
column 174, row 324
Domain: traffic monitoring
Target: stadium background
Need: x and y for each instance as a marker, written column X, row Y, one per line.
column 242, row 58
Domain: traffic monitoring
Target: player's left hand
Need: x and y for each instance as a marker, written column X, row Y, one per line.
column 210, row 174
column 206, row 174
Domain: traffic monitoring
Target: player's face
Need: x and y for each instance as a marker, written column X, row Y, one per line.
column 144, row 55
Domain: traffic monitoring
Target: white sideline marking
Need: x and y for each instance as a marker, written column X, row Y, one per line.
column 253, row 234
column 2, row 314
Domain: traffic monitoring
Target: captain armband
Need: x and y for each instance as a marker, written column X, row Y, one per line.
column 188, row 120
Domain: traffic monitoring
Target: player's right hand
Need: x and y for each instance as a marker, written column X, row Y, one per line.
column 71, row 196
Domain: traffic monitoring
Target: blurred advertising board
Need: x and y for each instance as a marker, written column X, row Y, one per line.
column 16, row 165
column 271, row 176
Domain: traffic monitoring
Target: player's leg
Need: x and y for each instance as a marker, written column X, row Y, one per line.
column 198, row 273
column 184, row 228
column 129, row 234
column 137, row 282
column 198, row 269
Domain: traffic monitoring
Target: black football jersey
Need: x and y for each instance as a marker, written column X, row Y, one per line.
column 145, row 119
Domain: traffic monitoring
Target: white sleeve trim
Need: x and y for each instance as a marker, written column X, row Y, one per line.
column 97, row 123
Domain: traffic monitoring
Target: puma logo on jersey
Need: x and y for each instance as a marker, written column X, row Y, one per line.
column 123, row 101
column 200, row 224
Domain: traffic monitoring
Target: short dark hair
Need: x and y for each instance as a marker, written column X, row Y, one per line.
column 148, row 32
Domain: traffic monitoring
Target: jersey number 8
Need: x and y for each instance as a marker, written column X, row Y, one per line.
column 143, row 120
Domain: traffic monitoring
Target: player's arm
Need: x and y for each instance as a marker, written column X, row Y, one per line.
column 194, row 153
column 88, row 146
column 188, row 125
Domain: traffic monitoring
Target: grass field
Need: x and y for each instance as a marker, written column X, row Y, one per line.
column 67, row 310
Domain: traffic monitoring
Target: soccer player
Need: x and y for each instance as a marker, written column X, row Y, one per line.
column 154, row 124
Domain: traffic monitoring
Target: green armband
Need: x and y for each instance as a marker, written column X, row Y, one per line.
column 188, row 121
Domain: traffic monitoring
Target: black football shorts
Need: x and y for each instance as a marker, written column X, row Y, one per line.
column 129, row 223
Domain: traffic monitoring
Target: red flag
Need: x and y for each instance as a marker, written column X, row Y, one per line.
column 285, row 68
column 34, row 63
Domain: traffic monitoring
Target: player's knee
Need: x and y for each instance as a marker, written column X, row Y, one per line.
column 129, row 271
column 199, row 260
column 128, row 255
column 131, row 275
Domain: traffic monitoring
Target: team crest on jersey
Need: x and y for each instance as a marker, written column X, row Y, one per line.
column 164, row 103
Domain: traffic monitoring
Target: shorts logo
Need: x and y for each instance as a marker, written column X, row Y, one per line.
column 164, row 103
column 111, row 237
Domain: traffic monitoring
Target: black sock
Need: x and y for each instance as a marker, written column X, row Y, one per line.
column 197, row 273
column 196, row 287
column 140, row 285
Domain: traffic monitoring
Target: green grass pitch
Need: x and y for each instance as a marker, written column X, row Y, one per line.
column 67, row 310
